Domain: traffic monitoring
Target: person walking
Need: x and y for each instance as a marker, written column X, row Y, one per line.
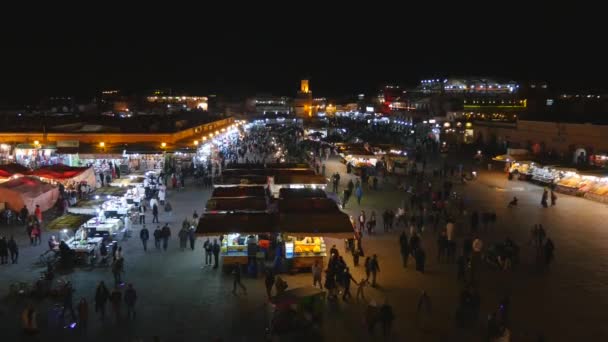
column 38, row 213
column 374, row 267
column 317, row 271
column 236, row 272
column 101, row 298
column 13, row 249
column 157, row 236
column 359, row 194
column 183, row 238
column 144, row 235
column 155, row 213
column 192, row 236
column 37, row 233
column 553, row 198
column 368, row 269
column 130, row 300
column 360, row 289
column 165, row 234
column 23, row 215
column 116, row 300
column 216, row 253
column 142, row 213
column 3, row 251
column 208, row 247
column 371, row 225
column 68, row 301
column 346, row 279
column 356, row 254
column 386, row 317
column 269, row 282
column 543, row 200
column 549, row 250
column 362, row 220
column 117, row 269
column 83, row 314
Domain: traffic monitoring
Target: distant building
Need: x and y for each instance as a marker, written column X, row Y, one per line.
column 264, row 105
column 178, row 103
column 303, row 103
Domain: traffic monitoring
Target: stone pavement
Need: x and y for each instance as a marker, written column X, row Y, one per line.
column 179, row 301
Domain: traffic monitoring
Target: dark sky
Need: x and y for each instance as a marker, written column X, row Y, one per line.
column 343, row 51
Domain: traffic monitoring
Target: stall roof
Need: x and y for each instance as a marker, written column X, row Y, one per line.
column 267, row 172
column 268, row 166
column 300, row 179
column 8, row 170
column 239, row 191
column 287, row 193
column 247, row 223
column 237, row 204
column 242, row 180
column 312, row 205
column 110, row 191
column 334, row 224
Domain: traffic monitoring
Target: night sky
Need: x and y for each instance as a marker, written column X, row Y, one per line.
column 261, row 54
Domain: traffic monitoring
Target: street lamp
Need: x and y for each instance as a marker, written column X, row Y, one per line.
column 163, row 145
column 195, row 142
column 102, row 144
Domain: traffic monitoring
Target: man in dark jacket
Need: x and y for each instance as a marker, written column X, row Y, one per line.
column 165, row 235
column 144, row 235
column 3, row 251
column 13, row 249
column 216, row 253
column 208, row 246
column 23, row 214
column 130, row 299
column 191, row 237
column 157, row 236
column 155, row 213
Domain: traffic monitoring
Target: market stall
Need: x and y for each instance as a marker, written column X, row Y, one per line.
column 522, row 169
column 66, row 175
column 8, row 171
column 100, row 226
column 28, row 191
column 295, row 181
column 244, row 234
column 304, row 222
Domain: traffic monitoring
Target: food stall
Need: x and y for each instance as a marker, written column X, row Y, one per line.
column 304, row 222
column 523, row 169
column 100, row 226
column 241, row 232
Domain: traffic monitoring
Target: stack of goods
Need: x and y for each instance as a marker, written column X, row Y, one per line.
column 598, row 192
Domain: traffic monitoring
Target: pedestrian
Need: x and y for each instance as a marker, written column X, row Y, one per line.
column 117, row 269
column 317, row 274
column 372, row 223
column 157, row 236
column 216, row 253
column 346, row 279
column 362, row 220
column 29, row 230
column 553, row 198
column 269, row 282
column 23, row 214
column 144, row 235
column 165, row 234
column 208, row 247
column 142, row 213
column 192, row 236
column 374, row 268
column 544, row 198
column 360, row 289
column 68, row 293
column 130, row 299
column 386, row 317
column 13, row 249
column 116, row 300
column 38, row 213
column 155, row 213
column 183, row 238
column 83, row 314
column 236, row 272
column 359, row 194
column 356, row 254
column 101, row 297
